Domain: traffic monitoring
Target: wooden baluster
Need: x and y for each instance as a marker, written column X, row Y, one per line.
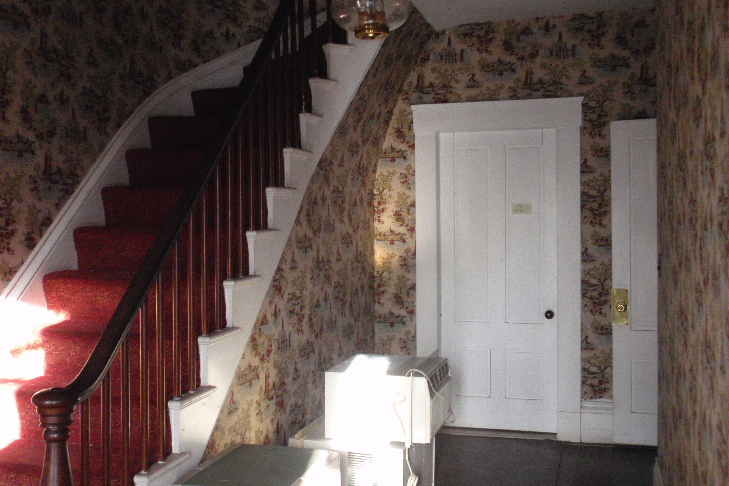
column 314, row 45
column 261, row 161
column 270, row 139
column 126, row 416
column 240, row 236
column 204, row 262
column 160, row 358
column 217, row 280
column 284, row 77
column 277, row 126
column 230, row 207
column 106, row 429
column 250, row 183
column 302, row 71
column 143, row 387
column 191, row 337
column 85, row 439
column 294, row 78
column 176, row 334
column 55, row 407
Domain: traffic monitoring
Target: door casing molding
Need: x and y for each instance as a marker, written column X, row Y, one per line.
column 562, row 114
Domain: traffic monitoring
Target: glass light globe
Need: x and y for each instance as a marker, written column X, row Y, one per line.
column 370, row 19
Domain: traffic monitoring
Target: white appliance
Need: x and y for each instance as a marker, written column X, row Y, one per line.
column 366, row 463
column 387, row 398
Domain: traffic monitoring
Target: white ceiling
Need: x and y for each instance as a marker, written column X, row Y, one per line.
column 443, row 14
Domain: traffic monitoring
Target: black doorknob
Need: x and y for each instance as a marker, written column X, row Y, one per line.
column 549, row 314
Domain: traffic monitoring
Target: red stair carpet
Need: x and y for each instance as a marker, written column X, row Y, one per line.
column 86, row 298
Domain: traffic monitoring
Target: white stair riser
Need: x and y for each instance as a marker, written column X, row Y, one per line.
column 259, row 250
column 188, row 420
column 308, row 123
column 294, row 162
column 339, row 60
column 322, row 93
column 276, row 199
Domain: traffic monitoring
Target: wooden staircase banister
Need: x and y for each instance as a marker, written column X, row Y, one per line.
column 57, row 405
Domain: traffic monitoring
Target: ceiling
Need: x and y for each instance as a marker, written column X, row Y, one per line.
column 443, row 14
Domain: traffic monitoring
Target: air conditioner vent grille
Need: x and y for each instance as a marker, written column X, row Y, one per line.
column 360, row 469
column 439, row 374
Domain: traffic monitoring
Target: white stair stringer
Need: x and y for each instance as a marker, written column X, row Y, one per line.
column 195, row 413
column 330, row 100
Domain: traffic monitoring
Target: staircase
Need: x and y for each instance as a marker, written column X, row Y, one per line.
column 108, row 256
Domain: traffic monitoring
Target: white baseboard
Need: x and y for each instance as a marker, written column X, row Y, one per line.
column 596, row 421
column 163, row 473
column 657, row 478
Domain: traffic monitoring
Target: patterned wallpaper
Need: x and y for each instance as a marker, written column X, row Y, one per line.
column 693, row 224
column 72, row 72
column 605, row 57
column 320, row 308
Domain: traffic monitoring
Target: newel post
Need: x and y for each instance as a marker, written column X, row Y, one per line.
column 55, row 407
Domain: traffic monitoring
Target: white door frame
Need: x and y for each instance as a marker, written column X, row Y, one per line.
column 562, row 114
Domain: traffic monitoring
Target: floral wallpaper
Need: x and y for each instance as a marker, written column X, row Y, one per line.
column 693, row 226
column 72, row 72
column 320, row 309
column 605, row 57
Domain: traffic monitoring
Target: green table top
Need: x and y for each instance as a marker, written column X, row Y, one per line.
column 258, row 465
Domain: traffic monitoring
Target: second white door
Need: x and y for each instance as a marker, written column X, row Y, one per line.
column 499, row 277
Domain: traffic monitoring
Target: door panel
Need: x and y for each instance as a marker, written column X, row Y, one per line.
column 523, row 235
column 474, row 203
column 498, row 267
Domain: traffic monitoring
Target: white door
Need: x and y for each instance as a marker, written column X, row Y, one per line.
column 635, row 268
column 499, row 277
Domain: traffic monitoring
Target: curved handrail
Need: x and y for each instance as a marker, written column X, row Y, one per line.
column 56, row 405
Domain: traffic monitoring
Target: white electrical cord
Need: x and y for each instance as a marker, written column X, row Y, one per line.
column 451, row 417
column 399, row 398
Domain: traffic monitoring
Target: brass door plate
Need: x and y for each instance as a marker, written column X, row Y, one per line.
column 619, row 303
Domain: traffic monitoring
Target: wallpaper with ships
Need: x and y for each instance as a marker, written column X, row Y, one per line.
column 72, row 72
column 605, row 57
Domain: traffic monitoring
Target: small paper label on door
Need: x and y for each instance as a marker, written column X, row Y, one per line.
column 521, row 208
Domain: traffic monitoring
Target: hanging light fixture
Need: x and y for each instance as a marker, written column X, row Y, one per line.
column 370, row 19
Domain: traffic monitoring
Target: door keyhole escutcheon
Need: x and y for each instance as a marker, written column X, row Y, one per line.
column 549, row 314
column 620, row 299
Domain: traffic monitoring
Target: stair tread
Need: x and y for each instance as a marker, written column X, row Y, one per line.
column 23, row 451
column 91, row 275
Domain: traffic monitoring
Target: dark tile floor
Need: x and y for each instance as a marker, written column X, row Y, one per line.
column 484, row 461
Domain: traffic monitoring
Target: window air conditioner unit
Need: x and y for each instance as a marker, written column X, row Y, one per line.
column 386, row 398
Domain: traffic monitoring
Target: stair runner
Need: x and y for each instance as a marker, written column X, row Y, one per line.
column 108, row 256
